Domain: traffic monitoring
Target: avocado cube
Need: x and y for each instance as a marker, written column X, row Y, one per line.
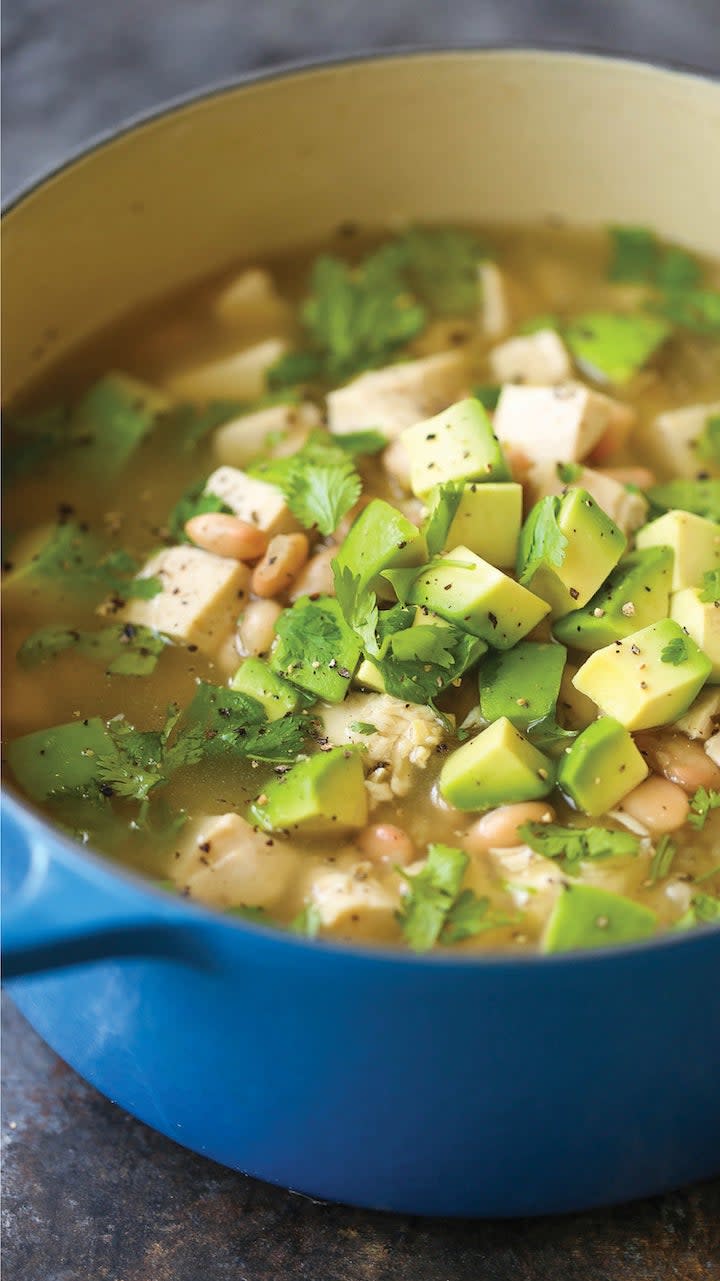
column 60, row 759
column 613, row 346
column 369, row 676
column 323, row 795
column 256, row 678
column 650, row 678
column 636, row 594
column 488, row 521
column 381, row 538
column 567, row 574
column 701, row 620
column 457, row 445
column 316, row 649
column 112, row 419
column 587, row 916
column 522, row 684
column 478, row 598
column 497, row 767
column 695, row 543
column 601, row 767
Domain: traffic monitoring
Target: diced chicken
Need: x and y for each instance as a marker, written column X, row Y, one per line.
column 201, row 597
column 628, row 510
column 242, row 376
column 353, row 896
column 222, row 860
column 539, row 359
column 552, row 424
column 532, row 881
column 712, row 747
column 396, row 397
column 252, row 500
column 251, row 299
column 406, row 735
column 242, row 439
column 702, row 719
column 680, row 894
column 494, row 305
column 673, row 436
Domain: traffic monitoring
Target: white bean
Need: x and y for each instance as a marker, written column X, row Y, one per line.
column 285, row 556
column 316, row 578
column 385, row 843
column 226, row 535
column 256, row 628
column 661, row 806
column 499, row 828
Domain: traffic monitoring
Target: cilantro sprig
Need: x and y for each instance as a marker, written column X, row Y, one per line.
column 542, row 541
column 319, row 481
column 675, row 652
column 435, row 907
column 702, row 803
column 674, row 275
column 573, row 843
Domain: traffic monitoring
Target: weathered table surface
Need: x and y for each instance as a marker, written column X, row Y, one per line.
column 92, row 1195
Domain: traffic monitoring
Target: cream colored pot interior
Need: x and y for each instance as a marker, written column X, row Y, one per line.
column 464, row 136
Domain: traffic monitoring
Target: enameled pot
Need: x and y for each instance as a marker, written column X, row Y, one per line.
column 433, row 1085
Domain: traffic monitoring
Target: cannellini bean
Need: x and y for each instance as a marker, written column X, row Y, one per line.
column 285, row 556
column 640, row 476
column 661, row 806
column 681, row 760
column 385, row 843
column 499, row 828
column 316, row 578
column 256, row 628
column 227, row 658
column 226, row 535
column 396, row 462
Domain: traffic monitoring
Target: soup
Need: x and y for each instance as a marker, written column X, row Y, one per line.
column 375, row 593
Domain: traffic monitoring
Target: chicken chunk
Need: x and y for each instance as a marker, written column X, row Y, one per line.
column 404, row 738
column 241, row 376
column 494, row 316
column 242, row 439
column 201, row 598
column 222, row 860
column 253, row 500
column 628, row 510
column 552, row 424
column 251, row 299
column 396, row 397
column 673, row 438
column 540, row 359
column 353, row 897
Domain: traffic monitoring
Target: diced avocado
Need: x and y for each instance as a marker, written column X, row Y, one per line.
column 112, row 419
column 701, row 620
column 60, row 759
column 488, row 521
column 612, row 346
column 496, row 767
column 522, row 684
column 650, row 678
column 478, row 598
column 636, row 594
column 54, row 560
column 601, row 766
column 277, row 696
column 587, row 916
column 567, row 567
column 315, row 648
column 381, row 538
column 369, row 676
column 457, row 445
column 695, row 543
column 323, row 795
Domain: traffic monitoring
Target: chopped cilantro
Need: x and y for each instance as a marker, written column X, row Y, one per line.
column 443, row 503
column 699, row 496
column 469, row 916
column 319, row 481
column 638, row 257
column 708, row 443
column 675, row 652
column 574, row 843
column 433, row 891
column 194, row 502
column 316, row 648
column 488, row 395
column 363, row 727
column 419, row 663
column 701, row 804
column 697, row 310
column 295, row 368
column 542, row 541
column 710, row 586
column 359, row 606
column 662, row 859
column 125, row 649
column 368, row 441
column 703, row 909
column 440, row 266
column 222, row 721
column 71, row 559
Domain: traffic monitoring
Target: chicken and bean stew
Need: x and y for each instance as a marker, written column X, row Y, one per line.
column 375, row 593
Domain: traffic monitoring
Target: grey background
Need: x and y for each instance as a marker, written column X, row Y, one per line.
column 90, row 1194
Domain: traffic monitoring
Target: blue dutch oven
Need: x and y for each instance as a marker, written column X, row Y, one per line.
column 454, row 1085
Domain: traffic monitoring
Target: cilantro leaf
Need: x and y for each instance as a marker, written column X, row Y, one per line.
column 72, row 559
column 701, row 804
column 222, row 721
column 359, row 606
column 432, row 893
column 319, row 481
column 367, row 441
column 125, row 649
column 363, row 727
column 424, row 645
column 662, row 859
column 638, row 257
column 613, row 346
column 294, row 368
column 703, row 909
column 188, row 425
column 488, row 395
column 418, row 663
column 710, row 586
column 444, row 501
column 542, row 541
column 573, row 843
column 708, row 443
column 699, row 496
column 440, row 266
column 697, row 310
column 675, row 652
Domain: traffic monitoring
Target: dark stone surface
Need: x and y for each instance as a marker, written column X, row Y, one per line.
column 92, row 1195
column 89, row 1194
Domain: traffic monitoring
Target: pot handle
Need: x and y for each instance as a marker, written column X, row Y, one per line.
column 55, row 916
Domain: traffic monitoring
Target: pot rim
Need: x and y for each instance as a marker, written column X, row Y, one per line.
column 101, row 866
